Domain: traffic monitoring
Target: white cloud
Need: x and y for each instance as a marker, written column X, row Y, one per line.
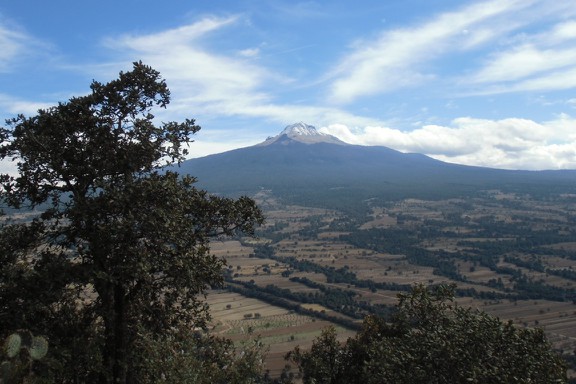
column 539, row 60
column 200, row 148
column 179, row 37
column 392, row 61
column 507, row 143
column 551, row 81
column 250, row 52
column 13, row 44
column 15, row 106
column 179, row 55
column 206, row 83
column 200, row 80
column 18, row 48
column 564, row 31
column 522, row 62
column 535, row 61
column 507, row 33
column 8, row 167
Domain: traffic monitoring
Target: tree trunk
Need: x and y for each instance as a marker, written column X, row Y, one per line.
column 114, row 353
column 105, row 294
column 120, row 361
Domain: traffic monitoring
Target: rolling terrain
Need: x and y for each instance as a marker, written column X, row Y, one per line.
column 350, row 227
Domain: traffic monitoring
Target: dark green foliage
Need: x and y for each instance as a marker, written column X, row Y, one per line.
column 284, row 298
column 194, row 357
column 120, row 244
column 432, row 340
column 333, row 275
column 325, row 362
column 403, row 241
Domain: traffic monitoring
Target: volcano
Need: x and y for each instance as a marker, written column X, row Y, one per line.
column 301, row 161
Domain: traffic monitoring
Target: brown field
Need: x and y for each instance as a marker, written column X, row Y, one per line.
column 280, row 330
column 307, row 234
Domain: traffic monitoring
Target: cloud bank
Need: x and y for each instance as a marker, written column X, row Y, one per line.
column 506, row 144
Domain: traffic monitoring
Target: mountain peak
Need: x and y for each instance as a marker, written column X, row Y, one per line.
column 301, row 129
column 303, row 133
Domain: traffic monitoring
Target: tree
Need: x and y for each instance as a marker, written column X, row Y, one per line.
column 325, row 362
column 432, row 340
column 119, row 244
column 195, row 357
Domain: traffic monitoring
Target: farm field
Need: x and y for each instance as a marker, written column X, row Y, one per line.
column 512, row 255
column 239, row 318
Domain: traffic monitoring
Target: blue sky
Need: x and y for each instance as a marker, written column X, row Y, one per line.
column 490, row 83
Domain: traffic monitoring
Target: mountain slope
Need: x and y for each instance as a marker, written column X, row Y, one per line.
column 301, row 161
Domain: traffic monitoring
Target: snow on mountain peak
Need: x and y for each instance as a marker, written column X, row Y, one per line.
column 301, row 129
column 303, row 133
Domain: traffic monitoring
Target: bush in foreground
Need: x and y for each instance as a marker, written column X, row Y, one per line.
column 431, row 339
